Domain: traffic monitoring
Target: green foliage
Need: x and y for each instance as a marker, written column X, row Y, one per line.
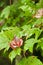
column 32, row 60
column 14, row 53
column 40, row 43
column 5, row 12
column 29, row 44
column 18, row 20
column 3, row 41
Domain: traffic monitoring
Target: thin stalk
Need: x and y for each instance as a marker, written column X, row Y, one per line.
column 10, row 2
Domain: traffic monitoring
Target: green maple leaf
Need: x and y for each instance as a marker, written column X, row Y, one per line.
column 32, row 60
column 29, row 44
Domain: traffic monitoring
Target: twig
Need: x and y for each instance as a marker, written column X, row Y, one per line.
column 10, row 2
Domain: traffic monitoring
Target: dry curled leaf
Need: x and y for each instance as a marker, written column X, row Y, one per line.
column 39, row 13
